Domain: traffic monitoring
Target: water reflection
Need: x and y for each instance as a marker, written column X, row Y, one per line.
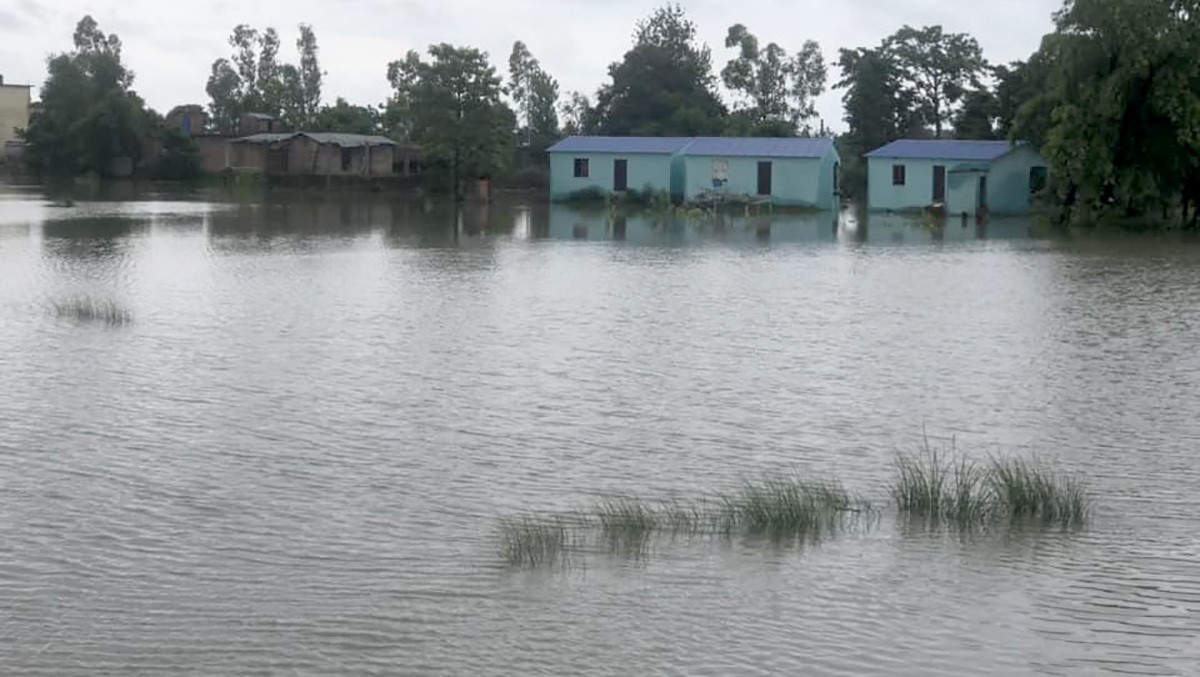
column 677, row 229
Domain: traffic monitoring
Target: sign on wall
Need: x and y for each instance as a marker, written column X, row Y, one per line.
column 720, row 173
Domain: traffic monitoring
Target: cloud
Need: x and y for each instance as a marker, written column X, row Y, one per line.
column 171, row 44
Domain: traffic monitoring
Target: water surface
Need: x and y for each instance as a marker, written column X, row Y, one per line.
column 295, row 457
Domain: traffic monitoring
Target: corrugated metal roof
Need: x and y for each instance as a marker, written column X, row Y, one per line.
column 620, row 144
column 349, row 140
column 343, row 140
column 984, row 151
column 759, row 147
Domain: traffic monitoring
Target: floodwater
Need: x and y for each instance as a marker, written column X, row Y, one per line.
column 294, row 458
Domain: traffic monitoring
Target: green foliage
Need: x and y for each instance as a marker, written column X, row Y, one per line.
column 89, row 117
column 536, row 95
column 253, row 81
column 1119, row 109
column 347, row 118
column 775, row 89
column 180, row 158
column 936, row 68
column 977, row 117
column 451, row 105
column 663, row 86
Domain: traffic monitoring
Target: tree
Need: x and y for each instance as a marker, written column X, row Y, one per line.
column 89, row 116
column 1120, row 107
column 663, row 86
column 180, row 158
column 576, row 114
column 977, row 117
column 347, row 118
column 253, row 81
column 535, row 94
column 776, row 91
column 454, row 110
column 877, row 110
column 936, row 68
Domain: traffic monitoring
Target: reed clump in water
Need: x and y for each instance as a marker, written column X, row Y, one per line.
column 88, row 309
column 533, row 541
column 781, row 508
column 942, row 485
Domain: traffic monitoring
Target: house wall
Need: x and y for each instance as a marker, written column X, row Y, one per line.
column 962, row 192
column 249, row 156
column 794, row 181
column 306, row 157
column 644, row 169
column 216, row 153
column 14, row 112
column 917, row 191
column 1008, row 182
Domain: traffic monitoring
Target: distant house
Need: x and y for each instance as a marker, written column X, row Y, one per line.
column 14, row 113
column 788, row 171
column 315, row 154
column 191, row 119
column 608, row 164
column 259, row 123
column 964, row 177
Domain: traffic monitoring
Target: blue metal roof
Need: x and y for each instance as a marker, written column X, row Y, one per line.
column 620, row 144
column 758, row 147
column 982, row 151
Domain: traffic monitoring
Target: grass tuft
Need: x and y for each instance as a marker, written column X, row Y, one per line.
column 87, row 309
column 533, row 541
column 939, row 484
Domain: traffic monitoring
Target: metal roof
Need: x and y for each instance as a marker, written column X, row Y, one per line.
column 343, row 140
column 912, row 149
column 620, row 144
column 759, row 147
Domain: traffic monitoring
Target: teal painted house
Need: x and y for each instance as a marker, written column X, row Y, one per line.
column 965, row 177
column 790, row 171
column 616, row 163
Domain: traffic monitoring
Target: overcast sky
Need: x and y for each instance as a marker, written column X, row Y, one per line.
column 170, row 44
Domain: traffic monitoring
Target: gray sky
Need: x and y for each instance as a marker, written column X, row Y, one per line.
column 170, row 44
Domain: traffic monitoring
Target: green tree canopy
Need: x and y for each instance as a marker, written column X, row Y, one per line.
column 89, row 115
column 347, row 118
column 535, row 94
column 664, row 85
column 777, row 92
column 253, row 80
column 937, row 69
column 452, row 106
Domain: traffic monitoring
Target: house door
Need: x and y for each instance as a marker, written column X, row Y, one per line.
column 764, row 178
column 939, row 183
column 620, row 175
column 837, row 167
column 983, row 193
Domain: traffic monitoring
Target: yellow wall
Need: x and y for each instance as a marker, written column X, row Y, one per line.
column 14, row 111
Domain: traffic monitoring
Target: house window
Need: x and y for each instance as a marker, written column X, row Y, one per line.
column 898, row 175
column 581, row 168
column 346, row 159
column 1037, row 179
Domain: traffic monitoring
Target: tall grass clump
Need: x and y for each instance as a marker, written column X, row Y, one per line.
column 940, row 484
column 533, row 541
column 1028, row 491
column 87, row 309
column 788, row 507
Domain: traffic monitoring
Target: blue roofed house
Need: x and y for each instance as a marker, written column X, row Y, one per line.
column 965, row 177
column 789, row 171
column 608, row 164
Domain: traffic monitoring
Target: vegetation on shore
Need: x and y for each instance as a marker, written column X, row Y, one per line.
column 938, row 486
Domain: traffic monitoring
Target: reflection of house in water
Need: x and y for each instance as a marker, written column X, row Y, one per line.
column 880, row 228
column 644, row 227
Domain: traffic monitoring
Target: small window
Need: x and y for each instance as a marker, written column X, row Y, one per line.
column 897, row 175
column 413, row 167
column 581, row 168
column 1037, row 179
column 346, row 159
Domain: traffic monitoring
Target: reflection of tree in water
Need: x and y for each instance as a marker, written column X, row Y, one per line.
column 85, row 238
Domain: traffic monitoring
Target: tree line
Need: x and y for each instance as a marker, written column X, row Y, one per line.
column 1111, row 97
